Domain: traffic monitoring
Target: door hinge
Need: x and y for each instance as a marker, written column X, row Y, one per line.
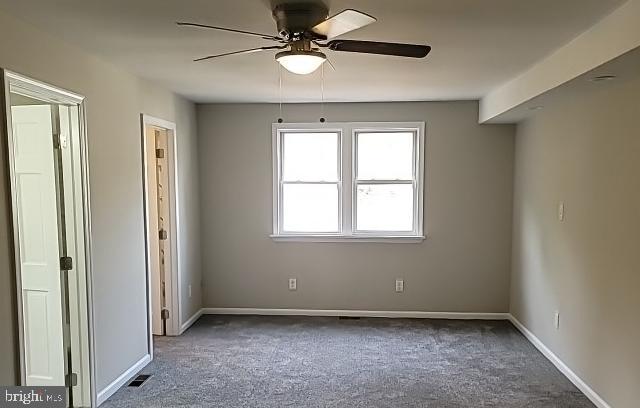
column 66, row 263
column 59, row 141
column 159, row 153
column 162, row 234
column 71, row 380
column 164, row 314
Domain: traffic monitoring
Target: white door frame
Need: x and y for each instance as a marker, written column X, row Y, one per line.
column 48, row 93
column 173, row 292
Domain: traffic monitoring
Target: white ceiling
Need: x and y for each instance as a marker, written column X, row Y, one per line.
column 477, row 44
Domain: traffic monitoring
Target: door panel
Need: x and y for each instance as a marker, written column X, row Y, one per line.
column 38, row 244
column 35, row 323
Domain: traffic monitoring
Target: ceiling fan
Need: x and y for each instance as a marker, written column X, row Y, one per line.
column 305, row 28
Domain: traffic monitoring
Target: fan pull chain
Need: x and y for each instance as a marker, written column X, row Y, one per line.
column 322, row 119
column 280, row 119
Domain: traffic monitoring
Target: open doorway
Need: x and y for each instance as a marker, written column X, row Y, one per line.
column 46, row 140
column 161, row 219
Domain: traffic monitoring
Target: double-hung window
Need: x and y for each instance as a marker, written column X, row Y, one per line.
column 348, row 181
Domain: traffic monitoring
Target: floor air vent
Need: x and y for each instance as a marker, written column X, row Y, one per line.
column 139, row 380
column 348, row 318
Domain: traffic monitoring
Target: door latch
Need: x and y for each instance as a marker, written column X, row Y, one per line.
column 164, row 314
column 162, row 234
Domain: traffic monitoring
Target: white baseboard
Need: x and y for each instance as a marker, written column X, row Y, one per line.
column 564, row 369
column 115, row 385
column 191, row 321
column 355, row 313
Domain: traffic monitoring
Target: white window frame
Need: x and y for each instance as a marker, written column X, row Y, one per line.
column 347, row 182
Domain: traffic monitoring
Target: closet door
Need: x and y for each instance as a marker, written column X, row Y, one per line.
column 39, row 259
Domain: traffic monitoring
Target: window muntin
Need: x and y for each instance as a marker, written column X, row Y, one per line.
column 378, row 165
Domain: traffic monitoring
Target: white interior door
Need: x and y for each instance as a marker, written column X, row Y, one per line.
column 38, row 244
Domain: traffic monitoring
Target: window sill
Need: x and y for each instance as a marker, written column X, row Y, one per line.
column 391, row 239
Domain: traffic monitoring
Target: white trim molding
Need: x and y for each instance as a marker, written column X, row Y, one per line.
column 190, row 321
column 115, row 385
column 355, row 313
column 560, row 365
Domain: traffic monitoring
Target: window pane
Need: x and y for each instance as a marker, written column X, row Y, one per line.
column 310, row 157
column 385, row 207
column 385, row 156
column 310, row 208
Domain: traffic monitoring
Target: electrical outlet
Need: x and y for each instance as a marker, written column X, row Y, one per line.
column 189, row 290
column 293, row 284
column 399, row 285
column 556, row 320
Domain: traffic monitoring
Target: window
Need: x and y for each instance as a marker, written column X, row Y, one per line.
column 348, row 181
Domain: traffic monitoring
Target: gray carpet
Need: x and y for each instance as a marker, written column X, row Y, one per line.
column 253, row 361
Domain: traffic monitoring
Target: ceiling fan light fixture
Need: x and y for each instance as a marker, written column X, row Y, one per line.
column 301, row 62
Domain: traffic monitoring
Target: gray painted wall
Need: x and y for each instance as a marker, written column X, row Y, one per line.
column 463, row 266
column 115, row 100
column 583, row 150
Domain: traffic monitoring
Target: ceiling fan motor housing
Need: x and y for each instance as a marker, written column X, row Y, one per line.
column 295, row 19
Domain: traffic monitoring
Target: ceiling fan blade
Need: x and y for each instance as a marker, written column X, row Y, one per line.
column 343, row 22
column 264, row 36
column 249, row 51
column 381, row 48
